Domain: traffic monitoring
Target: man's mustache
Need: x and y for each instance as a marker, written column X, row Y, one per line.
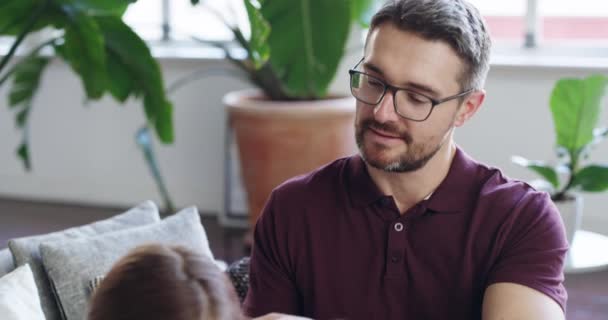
column 387, row 127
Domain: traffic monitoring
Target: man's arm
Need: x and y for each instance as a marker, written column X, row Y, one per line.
column 271, row 286
column 505, row 301
column 526, row 281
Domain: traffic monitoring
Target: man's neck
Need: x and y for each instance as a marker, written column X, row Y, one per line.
column 409, row 188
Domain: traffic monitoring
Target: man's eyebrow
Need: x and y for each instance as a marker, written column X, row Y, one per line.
column 409, row 85
column 372, row 67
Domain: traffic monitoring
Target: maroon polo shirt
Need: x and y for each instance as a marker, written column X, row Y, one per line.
column 330, row 245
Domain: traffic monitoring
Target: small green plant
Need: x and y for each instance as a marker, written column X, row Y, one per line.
column 576, row 106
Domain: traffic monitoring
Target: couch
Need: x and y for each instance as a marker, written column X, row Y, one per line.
column 64, row 264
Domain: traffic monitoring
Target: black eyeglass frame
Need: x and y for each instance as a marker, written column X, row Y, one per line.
column 394, row 89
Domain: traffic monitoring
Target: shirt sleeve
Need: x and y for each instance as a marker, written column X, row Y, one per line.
column 534, row 248
column 271, row 285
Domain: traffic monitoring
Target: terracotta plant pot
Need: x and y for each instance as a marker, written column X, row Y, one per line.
column 278, row 140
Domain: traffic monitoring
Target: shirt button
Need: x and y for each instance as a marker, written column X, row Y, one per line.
column 395, row 258
column 399, row 226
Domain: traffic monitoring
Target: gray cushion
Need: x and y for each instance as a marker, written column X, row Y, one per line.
column 6, row 262
column 26, row 250
column 71, row 264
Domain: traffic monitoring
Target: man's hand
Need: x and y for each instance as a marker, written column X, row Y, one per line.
column 507, row 301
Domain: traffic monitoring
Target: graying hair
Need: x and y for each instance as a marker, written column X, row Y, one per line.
column 456, row 22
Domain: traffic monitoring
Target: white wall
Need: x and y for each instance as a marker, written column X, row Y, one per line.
column 88, row 155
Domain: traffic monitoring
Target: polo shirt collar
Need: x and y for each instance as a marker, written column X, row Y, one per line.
column 456, row 193
column 363, row 190
column 458, row 190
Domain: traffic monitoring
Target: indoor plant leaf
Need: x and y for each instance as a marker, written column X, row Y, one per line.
column 84, row 51
column 120, row 82
column 306, row 42
column 543, row 169
column 26, row 80
column 362, row 11
column 103, row 7
column 593, row 178
column 130, row 52
column 15, row 15
column 575, row 104
column 257, row 46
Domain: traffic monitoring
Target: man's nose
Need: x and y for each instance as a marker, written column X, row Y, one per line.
column 385, row 110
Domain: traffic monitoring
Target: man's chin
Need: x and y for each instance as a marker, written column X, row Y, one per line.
column 379, row 160
column 392, row 162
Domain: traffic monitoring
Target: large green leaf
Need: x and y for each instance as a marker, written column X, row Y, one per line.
column 101, row 7
column 593, row 178
column 362, row 11
column 542, row 168
column 26, row 80
column 84, row 50
column 23, row 152
column 575, row 104
column 120, row 82
column 15, row 15
column 129, row 52
column 258, row 48
column 307, row 41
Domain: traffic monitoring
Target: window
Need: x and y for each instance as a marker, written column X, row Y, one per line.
column 146, row 18
column 505, row 19
column 577, row 24
column 558, row 21
column 580, row 20
column 185, row 20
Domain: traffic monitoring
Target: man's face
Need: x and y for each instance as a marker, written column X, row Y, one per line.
column 386, row 140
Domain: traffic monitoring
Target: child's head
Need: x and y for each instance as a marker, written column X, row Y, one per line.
column 161, row 282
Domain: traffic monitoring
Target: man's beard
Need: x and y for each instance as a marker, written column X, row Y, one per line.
column 415, row 157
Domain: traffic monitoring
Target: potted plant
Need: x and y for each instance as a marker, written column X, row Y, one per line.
column 291, row 124
column 575, row 105
column 90, row 36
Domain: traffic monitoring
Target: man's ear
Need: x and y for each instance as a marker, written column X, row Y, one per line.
column 469, row 107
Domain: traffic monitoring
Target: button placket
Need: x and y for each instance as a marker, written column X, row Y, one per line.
column 398, row 226
column 396, row 249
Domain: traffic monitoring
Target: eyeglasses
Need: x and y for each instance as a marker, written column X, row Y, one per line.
column 408, row 103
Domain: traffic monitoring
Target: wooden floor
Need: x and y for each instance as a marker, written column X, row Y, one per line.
column 588, row 292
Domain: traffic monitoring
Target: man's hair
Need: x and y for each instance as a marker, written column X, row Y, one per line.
column 159, row 282
column 455, row 22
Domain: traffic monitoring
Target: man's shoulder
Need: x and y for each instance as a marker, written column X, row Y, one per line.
column 509, row 194
column 307, row 196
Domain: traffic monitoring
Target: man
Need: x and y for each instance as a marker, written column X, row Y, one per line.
column 412, row 227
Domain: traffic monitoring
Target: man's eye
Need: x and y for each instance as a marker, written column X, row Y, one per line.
column 375, row 83
column 416, row 98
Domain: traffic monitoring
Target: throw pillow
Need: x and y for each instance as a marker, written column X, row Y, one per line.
column 6, row 262
column 19, row 296
column 71, row 264
column 26, row 250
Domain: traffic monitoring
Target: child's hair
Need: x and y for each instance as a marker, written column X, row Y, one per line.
column 162, row 282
